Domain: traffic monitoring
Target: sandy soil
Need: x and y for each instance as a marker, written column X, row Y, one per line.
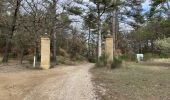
column 61, row 83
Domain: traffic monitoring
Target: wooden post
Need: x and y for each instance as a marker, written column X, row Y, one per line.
column 45, row 53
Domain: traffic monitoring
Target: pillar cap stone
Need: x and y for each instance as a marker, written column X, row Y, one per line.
column 109, row 36
column 45, row 35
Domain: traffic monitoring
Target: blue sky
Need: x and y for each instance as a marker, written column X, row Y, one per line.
column 127, row 28
column 146, row 6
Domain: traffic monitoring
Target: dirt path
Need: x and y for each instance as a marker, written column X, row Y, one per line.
column 62, row 83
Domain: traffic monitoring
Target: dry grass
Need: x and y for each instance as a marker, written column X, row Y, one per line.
column 161, row 60
column 133, row 82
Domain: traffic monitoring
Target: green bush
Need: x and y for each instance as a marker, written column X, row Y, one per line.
column 92, row 59
column 128, row 57
column 163, row 44
column 117, row 62
column 102, row 61
column 148, row 56
column 30, row 59
column 80, row 58
column 164, row 55
column 64, row 60
column 63, row 53
column 12, row 55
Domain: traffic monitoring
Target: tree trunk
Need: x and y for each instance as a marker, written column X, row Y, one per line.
column 35, row 54
column 6, row 54
column 54, row 49
column 10, row 36
column 117, row 30
column 35, row 58
column 152, row 46
column 88, row 54
column 22, row 56
column 168, row 10
column 114, row 31
column 53, row 32
column 99, row 33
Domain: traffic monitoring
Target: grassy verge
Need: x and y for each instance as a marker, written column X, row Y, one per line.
column 134, row 82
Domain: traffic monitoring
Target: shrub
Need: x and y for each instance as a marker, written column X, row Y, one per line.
column 92, row 59
column 63, row 53
column 148, row 56
column 164, row 55
column 30, row 60
column 102, row 61
column 117, row 62
column 64, row 60
column 128, row 56
column 163, row 44
column 12, row 55
column 80, row 58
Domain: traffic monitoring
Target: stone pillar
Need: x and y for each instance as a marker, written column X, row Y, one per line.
column 109, row 47
column 45, row 53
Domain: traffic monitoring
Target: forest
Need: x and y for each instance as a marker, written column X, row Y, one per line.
column 77, row 28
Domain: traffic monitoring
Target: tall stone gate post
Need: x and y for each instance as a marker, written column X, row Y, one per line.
column 45, row 52
column 109, row 47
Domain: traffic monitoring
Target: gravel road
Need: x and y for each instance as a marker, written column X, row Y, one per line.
column 61, row 83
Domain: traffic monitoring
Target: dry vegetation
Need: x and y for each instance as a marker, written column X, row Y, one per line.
column 134, row 82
